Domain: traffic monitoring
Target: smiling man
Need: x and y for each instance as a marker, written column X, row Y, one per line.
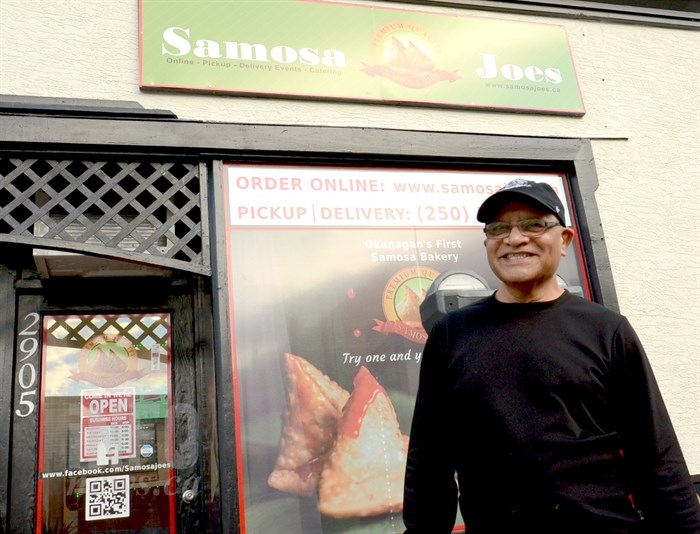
column 537, row 410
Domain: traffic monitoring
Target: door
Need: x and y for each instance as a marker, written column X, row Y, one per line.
column 106, row 411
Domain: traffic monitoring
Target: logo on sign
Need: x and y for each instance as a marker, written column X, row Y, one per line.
column 401, row 301
column 408, row 55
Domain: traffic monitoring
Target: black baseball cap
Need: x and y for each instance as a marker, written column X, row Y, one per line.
column 538, row 193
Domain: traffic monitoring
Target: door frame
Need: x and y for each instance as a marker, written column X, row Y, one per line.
column 188, row 299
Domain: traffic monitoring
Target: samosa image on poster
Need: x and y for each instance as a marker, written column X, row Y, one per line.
column 364, row 473
column 348, row 446
column 314, row 406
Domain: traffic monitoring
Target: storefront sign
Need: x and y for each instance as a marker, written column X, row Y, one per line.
column 356, row 52
column 327, row 268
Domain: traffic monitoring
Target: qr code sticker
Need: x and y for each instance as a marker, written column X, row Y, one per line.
column 107, row 498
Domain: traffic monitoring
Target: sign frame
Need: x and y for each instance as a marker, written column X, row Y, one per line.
column 357, row 53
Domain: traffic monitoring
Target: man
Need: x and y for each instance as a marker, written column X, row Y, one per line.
column 537, row 411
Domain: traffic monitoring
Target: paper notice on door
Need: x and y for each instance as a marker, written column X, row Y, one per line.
column 108, row 422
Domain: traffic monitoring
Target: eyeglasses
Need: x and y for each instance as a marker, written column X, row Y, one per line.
column 528, row 228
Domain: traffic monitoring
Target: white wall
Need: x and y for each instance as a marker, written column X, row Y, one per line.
column 641, row 87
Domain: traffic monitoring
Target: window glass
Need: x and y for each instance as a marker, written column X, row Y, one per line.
column 106, row 440
column 328, row 268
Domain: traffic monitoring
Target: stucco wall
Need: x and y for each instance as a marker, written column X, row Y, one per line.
column 641, row 87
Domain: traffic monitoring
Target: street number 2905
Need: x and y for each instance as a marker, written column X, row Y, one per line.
column 26, row 377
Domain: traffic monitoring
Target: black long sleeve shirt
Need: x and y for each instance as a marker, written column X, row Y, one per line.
column 550, row 417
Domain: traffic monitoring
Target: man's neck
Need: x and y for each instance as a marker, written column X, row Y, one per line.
column 516, row 294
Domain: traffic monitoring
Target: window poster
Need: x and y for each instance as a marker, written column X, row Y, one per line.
column 327, row 269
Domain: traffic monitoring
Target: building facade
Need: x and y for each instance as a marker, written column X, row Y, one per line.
column 175, row 261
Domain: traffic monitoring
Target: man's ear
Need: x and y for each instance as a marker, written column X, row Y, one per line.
column 567, row 237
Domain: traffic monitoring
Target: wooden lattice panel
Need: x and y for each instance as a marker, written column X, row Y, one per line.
column 74, row 331
column 150, row 211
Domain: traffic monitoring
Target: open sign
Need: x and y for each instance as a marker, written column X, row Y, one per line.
column 108, row 405
column 107, row 423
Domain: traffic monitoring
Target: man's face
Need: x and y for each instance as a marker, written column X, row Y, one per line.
column 527, row 263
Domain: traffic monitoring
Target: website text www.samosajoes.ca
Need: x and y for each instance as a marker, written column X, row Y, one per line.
column 468, row 189
column 519, row 87
column 105, row 470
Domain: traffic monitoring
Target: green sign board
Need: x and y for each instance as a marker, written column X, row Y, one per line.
column 339, row 51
